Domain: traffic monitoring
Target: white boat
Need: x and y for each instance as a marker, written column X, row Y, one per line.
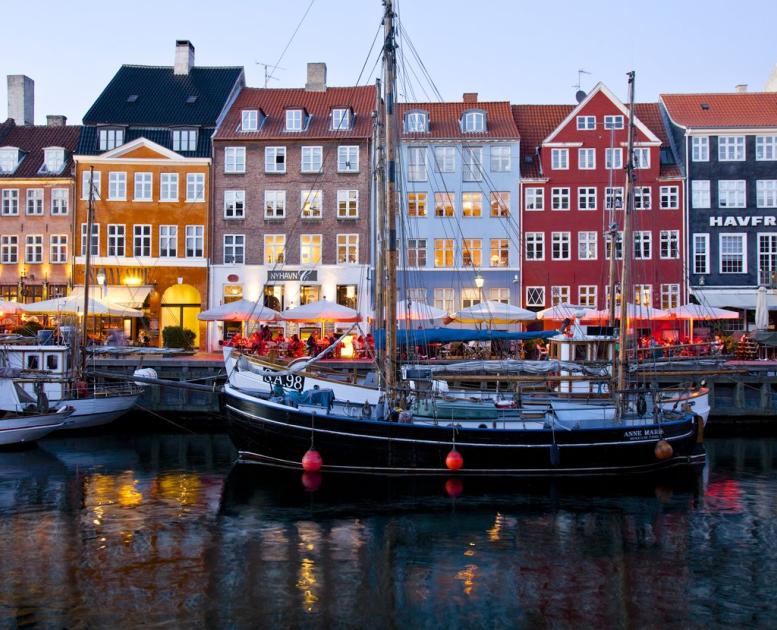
column 22, row 428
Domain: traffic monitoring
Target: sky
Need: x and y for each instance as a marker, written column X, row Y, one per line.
column 515, row 50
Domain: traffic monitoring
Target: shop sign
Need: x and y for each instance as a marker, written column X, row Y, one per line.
column 300, row 275
column 743, row 221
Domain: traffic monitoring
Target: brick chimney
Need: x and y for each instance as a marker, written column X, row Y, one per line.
column 184, row 56
column 316, row 78
column 741, row 87
column 21, row 99
column 56, row 120
column 771, row 82
column 470, row 97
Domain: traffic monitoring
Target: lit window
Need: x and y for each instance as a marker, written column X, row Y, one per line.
column 444, row 205
column 310, row 204
column 499, row 256
column 472, row 252
column 500, row 204
column 347, row 249
column 310, row 249
column 416, row 204
column 587, row 243
column 443, row 252
column 471, row 204
column 274, row 249
column 347, row 204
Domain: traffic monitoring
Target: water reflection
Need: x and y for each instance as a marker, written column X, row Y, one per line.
column 161, row 529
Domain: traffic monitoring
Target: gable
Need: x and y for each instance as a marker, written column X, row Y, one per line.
column 142, row 148
column 144, row 152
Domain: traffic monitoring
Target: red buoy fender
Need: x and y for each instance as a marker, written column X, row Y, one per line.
column 454, row 460
column 311, row 461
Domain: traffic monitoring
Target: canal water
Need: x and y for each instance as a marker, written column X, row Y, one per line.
column 160, row 530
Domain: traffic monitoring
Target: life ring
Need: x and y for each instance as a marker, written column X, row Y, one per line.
column 641, row 405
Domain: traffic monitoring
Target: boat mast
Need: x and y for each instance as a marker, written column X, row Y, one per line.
column 87, row 269
column 390, row 244
column 627, row 243
column 380, row 214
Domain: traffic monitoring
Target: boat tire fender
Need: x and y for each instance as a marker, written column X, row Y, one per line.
column 641, row 405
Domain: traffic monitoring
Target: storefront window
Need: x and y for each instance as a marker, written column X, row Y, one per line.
column 273, row 296
column 347, row 295
column 309, row 293
column 233, row 293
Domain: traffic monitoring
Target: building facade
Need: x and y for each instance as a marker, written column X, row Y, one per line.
column 572, row 190
column 292, row 183
column 147, row 139
column 459, row 174
column 728, row 145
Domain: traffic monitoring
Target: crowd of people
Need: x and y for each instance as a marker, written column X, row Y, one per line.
column 651, row 347
column 265, row 341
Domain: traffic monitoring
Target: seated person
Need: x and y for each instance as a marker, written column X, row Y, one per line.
column 542, row 349
column 296, row 347
column 312, row 343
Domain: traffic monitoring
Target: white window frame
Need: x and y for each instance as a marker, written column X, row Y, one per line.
column 641, row 157
column 274, row 204
column 700, row 149
column 767, row 255
column 311, row 159
column 613, row 158
column 669, row 244
column 473, row 122
column 348, row 244
column 307, row 249
column 734, row 191
column 274, row 249
column 416, row 164
column 235, row 244
column 445, row 159
column 731, row 148
column 9, row 249
column 314, row 200
column 701, row 256
column 472, row 248
column 472, row 164
column 294, row 120
column 417, row 205
column 535, row 295
column 643, row 294
column 234, row 204
column 471, row 205
column 559, row 159
column 587, row 245
column 765, row 148
column 116, row 239
column 669, row 197
column 643, row 198
column 94, row 241
column 742, row 237
column 141, row 240
column 168, row 241
column 559, row 196
column 643, row 245
column 586, row 123
column 587, row 295
column 143, row 183
column 500, row 203
column 117, row 186
column 586, row 159
column 613, row 121
column 534, row 199
column 415, row 122
column 701, row 196
column 234, row 159
column 194, row 241
column 33, row 249
column 195, row 187
column 33, row 205
column 614, row 197
column 561, row 240
column 559, row 293
column 184, row 139
column 499, row 252
column 249, row 120
column 60, row 202
column 766, row 193
column 417, row 253
column 95, row 185
column 110, row 138
column 446, row 246
column 670, row 295
column 341, row 119
column 272, row 164
column 501, row 158
column 58, row 249
column 168, row 183
column 53, row 160
column 348, row 204
column 445, row 299
column 348, row 158
column 534, row 241
column 586, row 198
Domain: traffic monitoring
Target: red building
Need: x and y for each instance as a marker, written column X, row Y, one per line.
column 572, row 175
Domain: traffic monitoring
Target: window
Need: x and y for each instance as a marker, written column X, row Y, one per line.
column 53, row 160
column 34, row 201
column 766, row 193
column 472, row 252
column 500, row 158
column 95, row 244
column 195, row 241
column 59, row 201
column 535, row 199
column 767, row 258
column 33, row 249
column 613, row 198
column 586, row 123
column 234, row 204
column 117, row 186
column 416, row 164
column 499, row 294
column 348, row 159
column 700, row 193
column 535, row 296
column 559, row 249
column 586, row 159
column 613, row 122
column 141, row 240
column 249, row 120
column 195, row 186
column 274, row 249
column 701, row 253
column 559, row 198
column 310, row 249
column 86, row 178
column 143, row 186
column 670, row 296
column 500, row 252
column 643, row 245
column 168, row 241
column 642, row 198
column 559, row 159
column 312, row 159
column 9, row 160
column 445, row 159
column 9, row 249
column 731, row 148
column 57, row 249
column 415, row 122
column 586, row 295
column 669, row 244
column 471, row 204
column 416, row 252
column 445, row 299
column 347, row 249
column 470, row 297
column 341, row 119
column 613, row 158
column 766, row 147
column 669, row 197
column 731, row 193
column 733, row 253
column 274, row 204
column 235, row 159
column 347, row 204
column 111, row 138
column 168, row 187
column 618, row 246
column 184, row 139
column 444, row 204
column 586, row 198
column 116, row 240
column 234, row 249
column 587, row 245
column 559, row 295
column 500, row 204
column 641, row 157
column 473, row 122
column 700, row 149
column 535, row 245
column 472, row 159
column 443, row 252
column 416, row 204
column 293, row 120
column 275, row 159
column 643, row 294
column 310, row 203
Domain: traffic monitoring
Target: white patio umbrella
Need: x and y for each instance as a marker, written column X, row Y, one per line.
column 240, row 311
column 633, row 311
column 694, row 312
column 562, row 311
column 418, row 311
column 10, row 308
column 74, row 305
column 492, row 312
column 761, row 310
column 321, row 311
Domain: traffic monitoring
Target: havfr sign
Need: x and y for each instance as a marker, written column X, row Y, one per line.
column 743, row 221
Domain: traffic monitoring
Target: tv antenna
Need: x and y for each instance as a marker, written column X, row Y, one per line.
column 580, row 94
column 268, row 71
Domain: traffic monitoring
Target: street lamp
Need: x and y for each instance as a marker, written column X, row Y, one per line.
column 101, row 281
column 479, row 282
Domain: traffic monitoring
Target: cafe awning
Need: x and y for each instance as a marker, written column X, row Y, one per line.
column 129, row 296
column 733, row 298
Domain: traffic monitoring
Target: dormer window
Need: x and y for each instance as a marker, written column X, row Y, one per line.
column 613, row 122
column 294, row 119
column 184, row 139
column 341, row 119
column 111, row 138
column 54, row 160
column 415, row 122
column 473, row 122
column 250, row 120
column 9, row 159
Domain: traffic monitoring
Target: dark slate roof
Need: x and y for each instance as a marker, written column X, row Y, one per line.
column 32, row 139
column 162, row 96
column 89, row 140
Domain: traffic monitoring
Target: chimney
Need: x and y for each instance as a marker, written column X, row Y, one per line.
column 21, row 99
column 741, row 87
column 771, row 82
column 470, row 97
column 56, row 120
column 316, row 78
column 184, row 56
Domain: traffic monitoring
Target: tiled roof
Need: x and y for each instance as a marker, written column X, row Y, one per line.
column 444, row 120
column 275, row 101
column 536, row 122
column 32, row 139
column 163, row 98
column 650, row 115
column 89, row 140
column 731, row 110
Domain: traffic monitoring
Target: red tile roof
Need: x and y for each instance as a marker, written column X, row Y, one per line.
column 736, row 109
column 444, row 120
column 535, row 123
column 273, row 102
column 650, row 115
column 32, row 139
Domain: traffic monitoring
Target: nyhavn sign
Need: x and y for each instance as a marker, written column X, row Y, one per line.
column 300, row 275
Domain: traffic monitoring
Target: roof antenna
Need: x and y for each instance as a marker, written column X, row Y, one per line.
column 269, row 69
column 580, row 94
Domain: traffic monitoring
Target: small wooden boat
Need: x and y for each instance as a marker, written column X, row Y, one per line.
column 18, row 428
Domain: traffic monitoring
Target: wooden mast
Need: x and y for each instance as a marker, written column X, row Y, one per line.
column 380, row 215
column 87, row 270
